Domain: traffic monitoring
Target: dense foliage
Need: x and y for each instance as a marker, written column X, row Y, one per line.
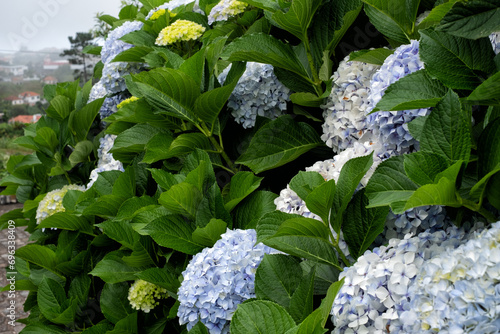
column 270, row 167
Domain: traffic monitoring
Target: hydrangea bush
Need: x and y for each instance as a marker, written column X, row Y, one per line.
column 268, row 167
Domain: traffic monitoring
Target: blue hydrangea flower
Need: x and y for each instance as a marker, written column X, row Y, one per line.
column 258, row 92
column 425, row 218
column 113, row 45
column 113, row 75
column 458, row 289
column 225, row 9
column 105, row 161
column 109, row 106
column 377, row 288
column 391, row 128
column 218, row 279
column 495, row 42
column 98, row 91
column 346, row 107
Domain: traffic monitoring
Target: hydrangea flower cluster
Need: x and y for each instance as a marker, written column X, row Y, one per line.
column 377, row 288
column 391, row 127
column 98, row 91
column 424, row 218
column 113, row 72
column 145, row 296
column 217, row 279
column 495, row 42
column 346, row 107
column 106, row 161
column 225, row 9
column 52, row 202
column 258, row 92
column 110, row 105
column 113, row 45
column 180, row 30
column 458, row 289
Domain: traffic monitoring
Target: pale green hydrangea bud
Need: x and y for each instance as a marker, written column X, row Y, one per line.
column 145, row 296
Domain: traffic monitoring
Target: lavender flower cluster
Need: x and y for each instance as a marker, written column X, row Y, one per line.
column 495, row 42
column 217, row 279
column 386, row 290
column 106, row 161
column 258, row 92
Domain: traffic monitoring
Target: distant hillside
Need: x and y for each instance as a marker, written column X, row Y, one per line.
column 8, row 88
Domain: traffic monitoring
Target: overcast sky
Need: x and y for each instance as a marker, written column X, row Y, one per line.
column 48, row 23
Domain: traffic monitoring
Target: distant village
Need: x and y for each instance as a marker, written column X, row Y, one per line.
column 33, row 70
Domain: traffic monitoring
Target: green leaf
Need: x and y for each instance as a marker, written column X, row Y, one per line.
column 393, row 18
column 242, row 184
column 447, row 130
column 47, row 139
column 458, row 62
column 161, row 277
column 329, row 25
column 376, row 56
column 436, row 15
column 174, row 232
column 139, row 38
column 60, row 108
column 252, row 208
column 298, row 17
column 414, row 91
column 277, row 143
column 120, row 231
column 81, row 120
column 114, row 303
column 112, row 269
column 261, row 316
column 361, row 225
column 171, row 91
column 478, row 190
column 92, row 50
column 208, row 235
column 160, row 147
column 489, row 159
column 423, row 167
column 263, row 48
column 105, row 206
column 81, row 152
column 135, row 54
column 132, row 141
column 487, row 93
column 441, row 193
column 65, row 221
column 165, row 179
column 108, row 19
column 306, row 238
column 389, row 183
column 105, row 181
column 39, row 255
column 199, row 328
column 321, row 199
column 53, row 303
column 269, row 5
column 133, row 206
column 305, row 182
column 183, row 198
column 350, row 177
column 307, row 99
column 301, row 304
column 209, row 104
column 473, row 19
column 277, row 278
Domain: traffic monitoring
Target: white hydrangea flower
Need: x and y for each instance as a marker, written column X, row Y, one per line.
column 376, row 291
column 346, row 107
column 258, row 92
column 391, row 127
column 113, row 45
column 52, row 202
column 217, row 279
column 106, row 162
column 458, row 289
column 225, row 9
column 144, row 295
column 495, row 41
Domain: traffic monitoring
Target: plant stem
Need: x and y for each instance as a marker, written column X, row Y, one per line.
column 317, row 81
column 477, row 208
